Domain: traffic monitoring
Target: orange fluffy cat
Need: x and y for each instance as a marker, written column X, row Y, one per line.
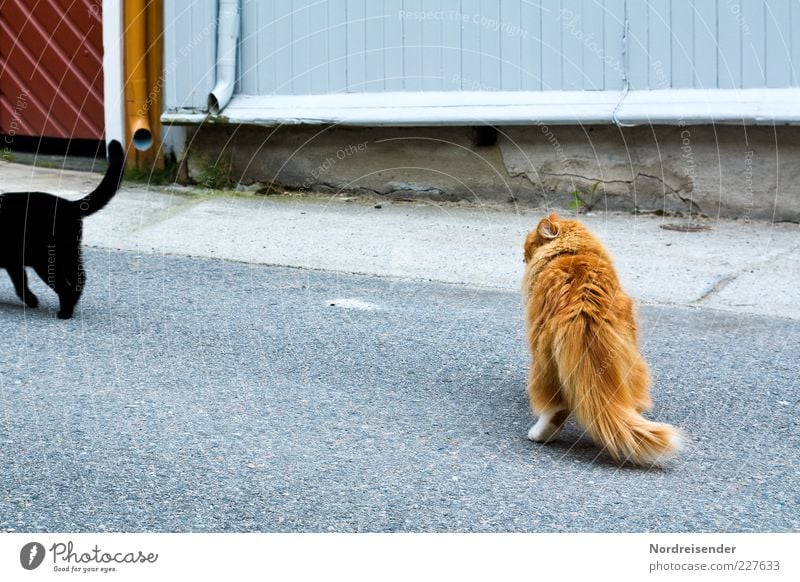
column 584, row 346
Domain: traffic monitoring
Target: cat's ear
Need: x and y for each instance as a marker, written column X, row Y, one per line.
column 548, row 227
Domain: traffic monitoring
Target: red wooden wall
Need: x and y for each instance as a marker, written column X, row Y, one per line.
column 51, row 68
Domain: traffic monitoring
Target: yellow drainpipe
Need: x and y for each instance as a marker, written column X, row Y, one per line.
column 143, row 70
column 155, row 67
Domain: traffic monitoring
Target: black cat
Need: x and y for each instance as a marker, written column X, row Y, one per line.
column 43, row 231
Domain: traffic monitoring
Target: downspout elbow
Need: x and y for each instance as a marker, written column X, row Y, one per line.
column 227, row 40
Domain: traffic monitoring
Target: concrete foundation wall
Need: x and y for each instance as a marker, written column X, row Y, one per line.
column 730, row 171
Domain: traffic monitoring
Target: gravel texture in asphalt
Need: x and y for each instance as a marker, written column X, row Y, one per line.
column 203, row 395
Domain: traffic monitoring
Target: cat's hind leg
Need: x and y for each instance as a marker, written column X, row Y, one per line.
column 68, row 283
column 67, row 296
column 61, row 284
column 20, row 279
column 545, row 398
column 638, row 378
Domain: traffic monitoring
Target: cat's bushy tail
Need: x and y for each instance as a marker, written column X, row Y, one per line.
column 100, row 196
column 599, row 371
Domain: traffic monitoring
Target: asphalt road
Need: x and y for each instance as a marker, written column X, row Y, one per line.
column 202, row 395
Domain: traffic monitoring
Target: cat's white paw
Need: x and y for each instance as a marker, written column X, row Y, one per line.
column 542, row 434
column 545, row 429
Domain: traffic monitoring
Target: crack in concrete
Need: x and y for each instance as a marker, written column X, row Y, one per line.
column 726, row 280
column 588, row 178
column 692, row 206
column 723, row 282
column 338, row 188
column 403, row 192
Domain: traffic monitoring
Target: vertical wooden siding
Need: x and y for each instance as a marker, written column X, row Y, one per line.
column 710, row 44
column 190, row 40
column 51, row 74
column 297, row 47
column 330, row 46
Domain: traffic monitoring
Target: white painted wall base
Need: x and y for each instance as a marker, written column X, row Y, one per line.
column 667, row 107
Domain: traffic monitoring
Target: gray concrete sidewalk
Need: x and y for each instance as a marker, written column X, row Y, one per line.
column 736, row 266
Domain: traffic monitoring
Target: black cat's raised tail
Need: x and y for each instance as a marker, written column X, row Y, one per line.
column 100, row 196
